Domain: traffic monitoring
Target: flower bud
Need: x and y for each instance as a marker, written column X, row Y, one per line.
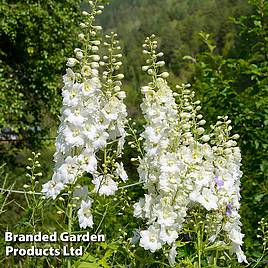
column 145, row 89
column 120, row 76
column 164, row 75
column 202, row 122
column 81, row 36
column 187, row 135
column 95, row 57
column 160, row 63
column 145, row 68
column 186, row 126
column 205, row 138
column 94, row 65
column 185, row 115
column 95, row 42
column 189, row 108
column 235, row 136
column 121, row 95
column 118, row 83
column 150, row 72
column 230, row 143
column 78, row 53
column 97, row 27
column 94, row 49
column 200, row 130
column 83, row 25
column 84, row 13
column 72, row 62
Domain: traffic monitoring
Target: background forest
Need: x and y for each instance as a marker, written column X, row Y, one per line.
column 220, row 47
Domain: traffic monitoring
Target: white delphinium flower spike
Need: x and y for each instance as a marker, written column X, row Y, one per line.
column 161, row 169
column 184, row 167
column 227, row 182
column 75, row 153
column 92, row 118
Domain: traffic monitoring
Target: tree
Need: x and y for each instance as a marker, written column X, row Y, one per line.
column 35, row 37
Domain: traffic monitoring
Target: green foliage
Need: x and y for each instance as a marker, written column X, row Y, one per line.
column 176, row 24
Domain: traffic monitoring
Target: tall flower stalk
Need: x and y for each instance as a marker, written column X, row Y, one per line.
column 187, row 172
column 92, row 119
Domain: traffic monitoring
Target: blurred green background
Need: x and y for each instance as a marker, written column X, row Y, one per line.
column 219, row 46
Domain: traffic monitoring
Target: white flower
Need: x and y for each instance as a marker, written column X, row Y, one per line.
column 206, row 198
column 52, row 188
column 236, row 237
column 120, row 171
column 84, row 214
column 121, row 95
column 150, row 239
column 69, row 170
column 93, row 115
column 180, row 169
column 138, row 208
column 74, row 116
column 168, row 234
column 71, row 97
column 73, row 136
column 172, row 254
column 241, row 257
column 88, row 161
column 104, row 185
column 100, row 140
column 166, row 216
column 86, row 71
column 90, row 87
column 69, row 78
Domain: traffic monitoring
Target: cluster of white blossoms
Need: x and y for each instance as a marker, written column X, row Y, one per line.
column 180, row 168
column 227, row 174
column 92, row 119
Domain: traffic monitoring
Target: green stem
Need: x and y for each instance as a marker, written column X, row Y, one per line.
column 199, row 249
column 216, row 258
column 200, row 234
column 104, row 214
column 259, row 260
column 70, row 222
